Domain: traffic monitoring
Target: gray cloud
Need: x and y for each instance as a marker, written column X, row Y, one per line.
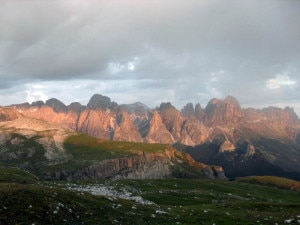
column 151, row 51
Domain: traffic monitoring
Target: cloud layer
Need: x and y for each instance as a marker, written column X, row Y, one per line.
column 151, row 51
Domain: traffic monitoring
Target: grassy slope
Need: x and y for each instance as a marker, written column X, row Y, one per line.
column 272, row 181
column 15, row 175
column 182, row 201
column 85, row 147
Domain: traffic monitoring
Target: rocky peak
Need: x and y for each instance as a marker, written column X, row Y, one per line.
column 57, row 105
column 125, row 129
column 273, row 115
column 226, row 146
column 37, row 104
column 172, row 119
column 199, row 112
column 166, row 106
column 75, row 107
column 158, row 132
column 223, row 111
column 292, row 116
column 188, row 110
column 8, row 114
column 138, row 108
column 100, row 101
column 232, row 100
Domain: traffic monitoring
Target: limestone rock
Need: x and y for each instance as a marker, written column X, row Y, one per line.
column 172, row 119
column 57, row 105
column 125, row 129
column 220, row 112
column 8, row 114
column 158, row 132
column 227, row 146
column 99, row 101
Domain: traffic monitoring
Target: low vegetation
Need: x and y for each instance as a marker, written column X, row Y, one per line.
column 15, row 175
column 85, row 147
column 167, row 201
column 272, row 181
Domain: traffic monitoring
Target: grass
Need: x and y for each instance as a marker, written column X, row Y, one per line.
column 278, row 182
column 85, row 147
column 176, row 201
column 16, row 175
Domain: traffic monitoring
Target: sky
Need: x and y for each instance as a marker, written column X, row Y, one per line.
column 151, row 51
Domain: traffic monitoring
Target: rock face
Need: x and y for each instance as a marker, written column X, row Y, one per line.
column 143, row 166
column 227, row 146
column 172, row 119
column 8, row 114
column 100, row 101
column 57, row 105
column 234, row 131
column 158, row 131
column 125, row 129
column 219, row 121
column 218, row 112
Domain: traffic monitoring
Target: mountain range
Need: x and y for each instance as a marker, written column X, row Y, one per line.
column 244, row 141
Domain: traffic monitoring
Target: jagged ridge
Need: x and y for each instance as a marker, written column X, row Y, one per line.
column 222, row 123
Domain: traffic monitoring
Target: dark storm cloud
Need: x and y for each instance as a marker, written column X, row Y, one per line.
column 184, row 50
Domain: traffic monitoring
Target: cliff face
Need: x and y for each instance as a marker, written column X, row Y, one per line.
column 169, row 163
column 223, row 112
column 220, row 120
column 141, row 166
column 272, row 115
column 158, row 131
column 125, row 129
column 223, row 124
column 172, row 119
column 8, row 114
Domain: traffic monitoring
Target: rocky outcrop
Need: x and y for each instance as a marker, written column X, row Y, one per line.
column 8, row 114
column 189, row 111
column 158, row 132
column 99, row 101
column 57, row 105
column 47, row 113
column 125, row 129
column 250, row 150
column 172, row 119
column 165, row 164
column 75, row 107
column 223, row 112
column 271, row 115
column 193, row 132
column 97, row 123
column 227, row 146
column 140, row 166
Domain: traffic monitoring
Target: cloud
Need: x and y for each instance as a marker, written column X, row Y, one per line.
column 172, row 50
column 279, row 81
